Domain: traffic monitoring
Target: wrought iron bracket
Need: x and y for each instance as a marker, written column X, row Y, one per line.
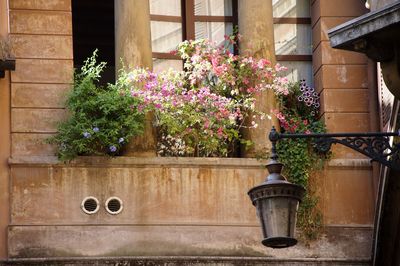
column 376, row 145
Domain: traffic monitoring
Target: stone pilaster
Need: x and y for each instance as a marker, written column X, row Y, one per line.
column 256, row 26
column 133, row 48
column 341, row 79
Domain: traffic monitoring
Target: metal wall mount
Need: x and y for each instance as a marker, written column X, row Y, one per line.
column 377, row 146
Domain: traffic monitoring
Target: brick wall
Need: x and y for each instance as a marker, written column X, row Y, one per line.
column 42, row 35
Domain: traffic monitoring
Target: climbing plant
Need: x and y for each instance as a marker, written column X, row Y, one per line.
column 299, row 113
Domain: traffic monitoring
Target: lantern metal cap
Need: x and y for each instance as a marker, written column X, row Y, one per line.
column 276, row 188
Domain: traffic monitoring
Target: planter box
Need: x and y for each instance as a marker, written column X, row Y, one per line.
column 8, row 64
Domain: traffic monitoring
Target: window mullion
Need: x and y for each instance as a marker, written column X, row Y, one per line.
column 189, row 20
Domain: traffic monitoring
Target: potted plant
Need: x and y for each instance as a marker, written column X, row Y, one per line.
column 102, row 119
column 7, row 60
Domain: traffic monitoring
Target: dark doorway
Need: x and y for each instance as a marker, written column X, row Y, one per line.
column 93, row 28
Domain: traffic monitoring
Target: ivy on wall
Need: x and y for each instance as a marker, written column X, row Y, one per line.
column 298, row 113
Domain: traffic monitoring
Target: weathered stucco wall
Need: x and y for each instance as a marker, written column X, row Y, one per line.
column 172, row 207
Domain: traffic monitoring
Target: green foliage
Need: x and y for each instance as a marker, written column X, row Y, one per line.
column 102, row 118
column 299, row 114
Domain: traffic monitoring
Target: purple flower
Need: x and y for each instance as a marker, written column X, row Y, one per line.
column 96, row 129
column 86, row 135
column 121, row 140
column 113, row 148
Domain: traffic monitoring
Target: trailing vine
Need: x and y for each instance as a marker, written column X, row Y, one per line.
column 298, row 113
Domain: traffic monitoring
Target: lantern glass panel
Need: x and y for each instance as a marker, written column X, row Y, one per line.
column 278, row 216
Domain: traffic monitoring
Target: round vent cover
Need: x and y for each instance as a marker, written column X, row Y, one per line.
column 114, row 205
column 90, row 205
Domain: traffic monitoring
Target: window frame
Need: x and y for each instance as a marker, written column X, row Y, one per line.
column 297, row 21
column 188, row 20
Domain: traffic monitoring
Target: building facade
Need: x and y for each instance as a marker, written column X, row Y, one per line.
column 193, row 209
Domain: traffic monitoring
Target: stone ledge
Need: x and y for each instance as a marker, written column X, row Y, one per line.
column 350, row 163
column 102, row 161
column 187, row 260
column 28, row 242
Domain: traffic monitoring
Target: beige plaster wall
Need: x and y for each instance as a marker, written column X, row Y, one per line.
column 172, row 207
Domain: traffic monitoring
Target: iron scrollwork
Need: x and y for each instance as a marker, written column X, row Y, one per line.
column 376, row 146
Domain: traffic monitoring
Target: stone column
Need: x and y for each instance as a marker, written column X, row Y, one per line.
column 257, row 28
column 133, row 46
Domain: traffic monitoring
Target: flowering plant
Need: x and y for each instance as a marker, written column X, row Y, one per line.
column 298, row 113
column 200, row 111
column 102, row 119
column 299, row 110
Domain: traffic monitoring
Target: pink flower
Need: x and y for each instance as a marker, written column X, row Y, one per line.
column 206, row 124
column 262, row 63
column 279, row 68
column 251, row 90
column 280, row 116
column 220, row 132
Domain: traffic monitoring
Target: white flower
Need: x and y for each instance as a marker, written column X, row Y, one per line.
column 232, row 118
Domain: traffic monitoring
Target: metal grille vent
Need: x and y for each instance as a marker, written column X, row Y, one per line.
column 114, row 205
column 90, row 205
